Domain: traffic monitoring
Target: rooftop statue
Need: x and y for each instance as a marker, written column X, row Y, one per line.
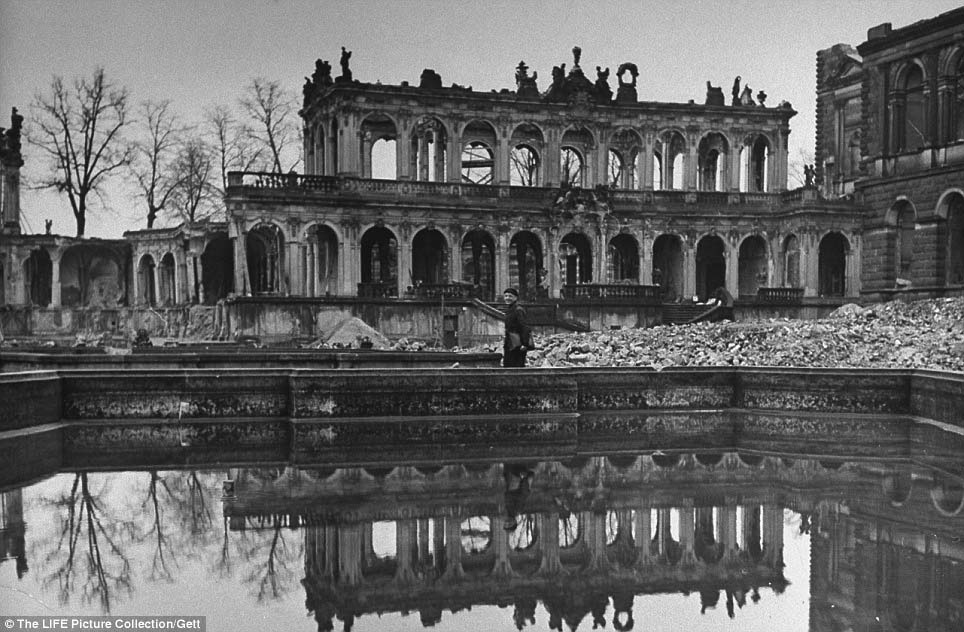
column 604, row 94
column 627, row 89
column 345, row 70
column 714, row 95
column 576, row 54
column 430, row 80
column 746, row 97
column 557, row 91
column 322, row 75
column 736, row 91
column 13, row 134
column 526, row 85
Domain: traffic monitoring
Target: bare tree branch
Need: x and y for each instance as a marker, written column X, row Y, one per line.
column 272, row 109
column 81, row 130
column 154, row 152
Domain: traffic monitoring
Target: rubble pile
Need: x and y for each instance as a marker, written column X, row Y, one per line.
column 925, row 334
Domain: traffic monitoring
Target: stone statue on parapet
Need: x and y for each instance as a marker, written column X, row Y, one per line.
column 322, row 75
column 604, row 94
column 576, row 54
column 430, row 80
column 526, row 85
column 627, row 89
column 48, row 226
column 809, row 173
column 345, row 70
column 736, row 91
column 714, row 95
column 761, row 98
column 746, row 97
column 13, row 134
column 557, row 91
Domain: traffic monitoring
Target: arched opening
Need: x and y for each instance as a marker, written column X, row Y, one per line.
column 753, row 266
column 478, row 156
column 477, row 163
column 956, row 117
column 383, row 157
column 905, row 223
column 379, row 262
column 524, row 163
column 832, row 264
column 575, row 259
column 623, row 264
column 384, row 539
column 478, row 263
column 791, row 262
column 428, row 153
column 146, row 281
column 571, row 168
column 322, row 264
column 265, row 248
column 429, row 258
column 672, row 161
column 526, row 271
column 614, row 170
column 710, row 266
column 912, row 127
column 378, row 134
column 90, row 276
column 668, row 266
column 476, row 534
column 524, row 166
column 217, row 265
column 38, row 277
column 576, row 146
column 167, row 275
column 955, row 239
column 754, row 157
column 658, row 170
column 713, row 149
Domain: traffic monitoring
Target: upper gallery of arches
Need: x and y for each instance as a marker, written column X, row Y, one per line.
column 596, row 95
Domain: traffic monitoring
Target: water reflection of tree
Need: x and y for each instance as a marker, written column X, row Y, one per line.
column 273, row 563
column 88, row 558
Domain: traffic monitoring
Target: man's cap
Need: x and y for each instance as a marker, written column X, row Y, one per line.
column 511, row 290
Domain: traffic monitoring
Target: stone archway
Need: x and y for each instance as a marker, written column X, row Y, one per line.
column 752, row 265
column 832, row 264
column 38, row 277
column 146, row 281
column 668, row 266
column 478, row 263
column 575, row 259
column 526, row 269
column 430, row 260
column 379, row 263
column 265, row 249
column 217, row 269
column 710, row 266
column 623, row 260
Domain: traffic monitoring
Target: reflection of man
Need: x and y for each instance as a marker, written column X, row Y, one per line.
column 517, row 331
column 517, row 485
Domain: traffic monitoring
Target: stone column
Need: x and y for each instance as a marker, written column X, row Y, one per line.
column 648, row 154
column 349, row 555
column 810, row 253
column 600, row 166
column 311, row 272
column 644, row 529
column 728, row 529
column 502, row 566
column 404, row 545
column 423, row 158
column 645, row 260
column 501, row 170
column 732, row 268
column 157, row 279
column 404, row 264
column 455, row 257
column 602, row 253
column 773, row 536
column 502, row 255
column 403, row 150
column 55, row 278
column 552, row 264
column 687, row 532
column 692, row 163
column 733, row 180
column 454, row 159
column 689, row 268
column 552, row 159
column 548, row 525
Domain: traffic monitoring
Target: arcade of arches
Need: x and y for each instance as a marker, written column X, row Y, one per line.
column 395, row 260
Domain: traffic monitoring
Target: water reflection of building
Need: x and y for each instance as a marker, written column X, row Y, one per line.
column 13, row 530
column 599, row 531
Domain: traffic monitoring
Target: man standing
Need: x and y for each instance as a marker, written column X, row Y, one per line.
column 517, row 333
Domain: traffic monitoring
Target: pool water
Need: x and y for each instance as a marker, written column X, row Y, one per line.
column 667, row 539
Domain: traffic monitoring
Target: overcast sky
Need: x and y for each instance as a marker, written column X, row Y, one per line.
column 202, row 52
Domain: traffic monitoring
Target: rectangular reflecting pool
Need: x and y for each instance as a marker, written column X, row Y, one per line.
column 702, row 524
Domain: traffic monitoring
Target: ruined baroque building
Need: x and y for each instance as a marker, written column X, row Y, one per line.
column 601, row 206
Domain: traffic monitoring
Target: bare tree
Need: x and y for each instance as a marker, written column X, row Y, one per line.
column 193, row 195
column 233, row 147
column 154, row 155
column 81, row 132
column 796, row 176
column 273, row 110
column 525, row 166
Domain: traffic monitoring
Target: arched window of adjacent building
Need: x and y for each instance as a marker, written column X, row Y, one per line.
column 905, row 223
column 428, row 151
column 710, row 266
column 712, row 152
column 791, row 262
column 623, row 264
column 265, row 248
column 957, row 96
column 526, row 271
column 575, row 259
column 167, row 292
column 146, row 281
column 914, row 115
column 954, row 205
column 832, row 264
column 378, row 133
column 668, row 266
column 38, row 276
column 478, row 155
column 379, row 263
column 571, row 170
column 478, row 263
column 525, row 166
column 477, row 163
column 614, row 170
column 217, row 269
column 752, row 265
column 322, row 261
column 430, row 260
